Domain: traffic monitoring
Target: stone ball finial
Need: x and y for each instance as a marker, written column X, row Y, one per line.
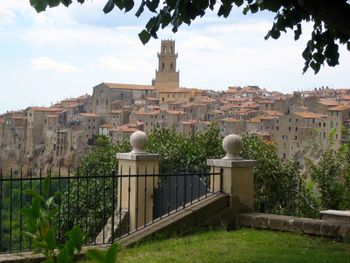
column 232, row 145
column 138, row 140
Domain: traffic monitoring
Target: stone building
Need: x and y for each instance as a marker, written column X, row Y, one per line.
column 105, row 94
column 149, row 119
column 167, row 76
column 167, row 95
column 64, row 132
column 35, row 126
column 296, row 130
column 90, row 124
column 118, row 117
column 191, row 127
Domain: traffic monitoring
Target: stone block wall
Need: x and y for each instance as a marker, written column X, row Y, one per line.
column 309, row 226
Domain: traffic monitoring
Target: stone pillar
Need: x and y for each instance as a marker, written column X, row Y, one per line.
column 135, row 188
column 237, row 179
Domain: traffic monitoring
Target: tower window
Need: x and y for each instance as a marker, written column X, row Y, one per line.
column 163, row 66
column 171, row 66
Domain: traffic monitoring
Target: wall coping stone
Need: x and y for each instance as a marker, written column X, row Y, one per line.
column 138, row 156
column 345, row 213
column 227, row 163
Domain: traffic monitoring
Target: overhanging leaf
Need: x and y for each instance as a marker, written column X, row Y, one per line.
column 108, row 7
column 144, row 36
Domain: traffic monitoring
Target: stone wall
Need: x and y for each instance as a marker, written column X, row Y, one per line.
column 324, row 228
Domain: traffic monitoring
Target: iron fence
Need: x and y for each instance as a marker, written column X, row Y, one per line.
column 106, row 207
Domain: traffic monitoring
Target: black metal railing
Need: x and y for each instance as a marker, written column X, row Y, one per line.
column 106, row 206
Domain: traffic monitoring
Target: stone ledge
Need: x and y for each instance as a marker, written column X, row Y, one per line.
column 309, row 226
column 335, row 215
column 138, row 156
column 231, row 163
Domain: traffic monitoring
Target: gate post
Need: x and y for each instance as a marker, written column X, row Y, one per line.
column 138, row 171
column 237, row 179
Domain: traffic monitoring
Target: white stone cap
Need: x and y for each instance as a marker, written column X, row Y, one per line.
column 232, row 145
column 344, row 213
column 138, row 141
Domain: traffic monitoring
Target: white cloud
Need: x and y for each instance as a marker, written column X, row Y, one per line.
column 47, row 64
column 78, row 36
column 7, row 16
column 122, row 65
column 257, row 27
column 202, row 42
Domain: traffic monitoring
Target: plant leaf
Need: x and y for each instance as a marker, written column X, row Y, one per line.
column 111, row 255
column 96, row 255
column 50, row 239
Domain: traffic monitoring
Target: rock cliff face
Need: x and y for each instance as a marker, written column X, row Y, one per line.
column 40, row 162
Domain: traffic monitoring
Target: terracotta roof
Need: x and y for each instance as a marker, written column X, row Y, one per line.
column 106, row 125
column 309, row 115
column 89, row 115
column 175, row 112
column 70, row 100
column 273, row 113
column 126, row 128
column 146, row 112
column 176, row 90
column 328, row 102
column 117, row 111
column 340, row 107
column 345, row 97
column 264, row 102
column 250, row 105
column 128, row 86
column 279, row 97
column 230, row 120
column 46, row 109
column 151, row 98
column 254, row 120
column 189, row 122
column 267, row 117
column 245, row 111
column 238, row 99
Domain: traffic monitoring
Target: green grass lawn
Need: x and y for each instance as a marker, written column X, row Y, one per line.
column 245, row 245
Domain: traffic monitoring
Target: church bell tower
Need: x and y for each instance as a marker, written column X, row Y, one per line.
column 167, row 76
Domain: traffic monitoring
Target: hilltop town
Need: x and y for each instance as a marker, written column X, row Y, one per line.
column 60, row 135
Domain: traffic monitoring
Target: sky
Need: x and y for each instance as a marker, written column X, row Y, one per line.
column 65, row 52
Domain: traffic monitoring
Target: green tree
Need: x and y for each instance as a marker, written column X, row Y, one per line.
column 276, row 183
column 330, row 19
column 87, row 202
column 331, row 173
column 179, row 152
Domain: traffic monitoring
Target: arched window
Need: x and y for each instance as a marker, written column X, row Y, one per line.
column 171, row 66
column 163, row 65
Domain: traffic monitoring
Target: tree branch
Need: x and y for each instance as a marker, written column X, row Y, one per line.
column 334, row 13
